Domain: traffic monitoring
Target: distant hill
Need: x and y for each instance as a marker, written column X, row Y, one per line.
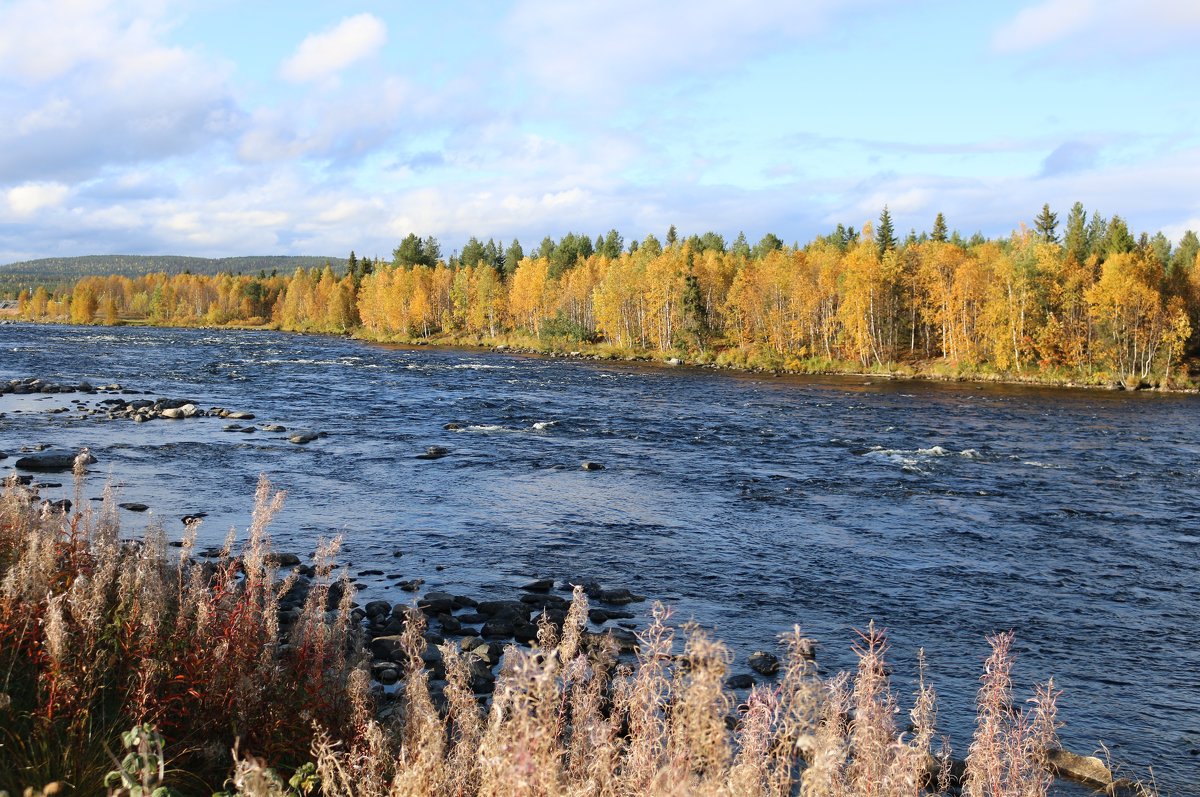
column 57, row 272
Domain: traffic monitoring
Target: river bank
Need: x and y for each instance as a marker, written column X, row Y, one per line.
column 731, row 359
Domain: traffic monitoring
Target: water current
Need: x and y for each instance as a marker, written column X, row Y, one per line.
column 943, row 512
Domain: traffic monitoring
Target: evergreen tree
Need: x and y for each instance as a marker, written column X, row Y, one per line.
column 940, row 232
column 741, row 247
column 885, row 233
column 1097, row 232
column 651, row 246
column 352, row 266
column 1046, row 225
column 1184, row 258
column 1117, row 238
column 695, row 312
column 547, row 247
column 433, row 251
column 769, row 243
column 1160, row 249
column 513, row 256
column 409, row 253
column 472, row 253
column 1076, row 240
column 612, row 244
column 672, row 236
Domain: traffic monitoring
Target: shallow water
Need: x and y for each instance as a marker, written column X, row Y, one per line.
column 944, row 512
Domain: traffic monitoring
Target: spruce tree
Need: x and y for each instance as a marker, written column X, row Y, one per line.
column 885, row 235
column 1046, row 225
column 940, row 232
column 1076, row 240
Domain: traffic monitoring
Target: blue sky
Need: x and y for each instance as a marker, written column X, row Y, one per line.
column 225, row 128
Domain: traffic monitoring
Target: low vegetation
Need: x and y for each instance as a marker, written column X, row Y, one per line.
column 100, row 633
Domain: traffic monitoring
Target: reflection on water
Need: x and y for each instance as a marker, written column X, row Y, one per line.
column 943, row 512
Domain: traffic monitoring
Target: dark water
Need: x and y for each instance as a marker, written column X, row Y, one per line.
column 943, row 512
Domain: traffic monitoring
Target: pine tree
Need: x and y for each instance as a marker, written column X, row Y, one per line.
column 741, row 247
column 940, row 232
column 1076, row 240
column 1046, row 225
column 885, row 234
column 672, row 236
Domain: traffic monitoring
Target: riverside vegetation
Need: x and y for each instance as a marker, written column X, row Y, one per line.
column 1094, row 305
column 219, row 679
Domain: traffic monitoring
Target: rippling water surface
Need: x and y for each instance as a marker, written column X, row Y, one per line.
column 942, row 512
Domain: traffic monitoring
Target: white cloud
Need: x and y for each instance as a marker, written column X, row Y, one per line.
column 593, row 48
column 90, row 84
column 1101, row 27
column 29, row 198
column 1044, row 23
column 323, row 55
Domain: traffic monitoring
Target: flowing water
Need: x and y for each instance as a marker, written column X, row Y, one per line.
column 943, row 512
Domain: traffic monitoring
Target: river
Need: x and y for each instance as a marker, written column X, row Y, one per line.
column 943, row 512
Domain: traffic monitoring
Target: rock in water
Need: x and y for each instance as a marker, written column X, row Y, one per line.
column 53, row 461
column 592, row 466
column 301, row 438
column 133, row 506
column 764, row 663
column 434, row 452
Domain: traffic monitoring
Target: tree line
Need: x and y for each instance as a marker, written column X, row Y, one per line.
column 1083, row 299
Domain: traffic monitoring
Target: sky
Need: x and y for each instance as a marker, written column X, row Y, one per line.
column 221, row 128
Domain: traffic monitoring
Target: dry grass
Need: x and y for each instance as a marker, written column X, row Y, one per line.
column 98, row 634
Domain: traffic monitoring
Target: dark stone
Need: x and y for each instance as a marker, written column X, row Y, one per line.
column 592, row 466
column 377, row 608
column 282, row 559
column 51, row 461
column 742, row 681
column 463, row 602
column 450, row 624
column 302, row 438
column 387, row 648
column 434, row 452
column 541, row 585
column 504, row 609
column 133, row 507
column 764, row 663
column 62, row 505
column 619, row 597
column 472, row 618
column 498, row 628
column 524, row 632
column 370, row 573
column 411, row 586
column 435, row 603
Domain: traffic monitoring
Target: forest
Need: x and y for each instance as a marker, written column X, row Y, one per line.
column 1082, row 301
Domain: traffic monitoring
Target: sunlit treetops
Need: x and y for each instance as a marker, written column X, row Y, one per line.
column 1078, row 296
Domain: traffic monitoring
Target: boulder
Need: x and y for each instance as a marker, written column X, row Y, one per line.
column 541, row 585
column 274, row 427
column 387, row 648
column 587, row 465
column 282, row 559
column 498, row 628
column 764, row 663
column 133, row 506
column 742, row 681
column 1087, row 770
column 52, row 461
column 240, row 416
column 300, row 438
column 434, row 452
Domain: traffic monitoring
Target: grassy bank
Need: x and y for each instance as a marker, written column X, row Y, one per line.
column 100, row 632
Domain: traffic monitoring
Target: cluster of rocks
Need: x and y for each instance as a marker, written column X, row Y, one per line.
column 141, row 410
column 33, row 384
